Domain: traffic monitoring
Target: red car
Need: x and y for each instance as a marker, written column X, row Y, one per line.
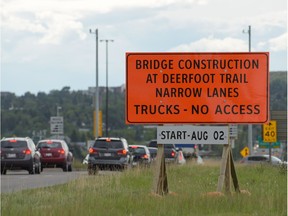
column 55, row 153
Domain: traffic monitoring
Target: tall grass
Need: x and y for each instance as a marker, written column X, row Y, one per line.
column 130, row 193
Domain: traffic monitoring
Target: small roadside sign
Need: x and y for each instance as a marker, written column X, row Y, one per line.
column 270, row 131
column 245, row 152
column 189, row 134
column 233, row 131
column 56, row 125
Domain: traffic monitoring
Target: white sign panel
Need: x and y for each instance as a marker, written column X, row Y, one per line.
column 233, row 131
column 56, row 125
column 188, row 134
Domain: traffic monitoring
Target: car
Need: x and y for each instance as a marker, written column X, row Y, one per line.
column 153, row 144
column 19, row 153
column 108, row 153
column 140, row 155
column 55, row 153
column 153, row 153
column 170, row 151
column 262, row 159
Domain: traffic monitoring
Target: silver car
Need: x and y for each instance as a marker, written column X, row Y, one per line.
column 262, row 159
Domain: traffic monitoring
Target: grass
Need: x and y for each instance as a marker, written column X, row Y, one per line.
column 130, row 193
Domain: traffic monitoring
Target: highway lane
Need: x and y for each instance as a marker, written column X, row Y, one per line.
column 20, row 180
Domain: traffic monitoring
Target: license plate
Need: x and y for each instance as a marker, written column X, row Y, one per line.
column 107, row 154
column 48, row 154
column 11, row 155
column 134, row 163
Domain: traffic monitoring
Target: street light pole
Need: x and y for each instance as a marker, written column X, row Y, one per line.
column 250, row 129
column 58, row 108
column 249, row 33
column 106, row 125
column 96, row 122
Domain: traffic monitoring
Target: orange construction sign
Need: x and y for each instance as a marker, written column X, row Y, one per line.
column 197, row 88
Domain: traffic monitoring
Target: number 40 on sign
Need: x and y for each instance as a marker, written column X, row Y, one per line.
column 270, row 132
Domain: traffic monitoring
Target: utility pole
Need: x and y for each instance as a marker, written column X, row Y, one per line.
column 96, row 121
column 58, row 108
column 250, row 128
column 107, row 92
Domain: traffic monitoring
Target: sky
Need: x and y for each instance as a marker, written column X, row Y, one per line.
column 46, row 44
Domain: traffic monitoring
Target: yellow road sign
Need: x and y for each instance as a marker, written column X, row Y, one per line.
column 270, row 131
column 245, row 152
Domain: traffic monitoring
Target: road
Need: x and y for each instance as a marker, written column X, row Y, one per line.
column 19, row 180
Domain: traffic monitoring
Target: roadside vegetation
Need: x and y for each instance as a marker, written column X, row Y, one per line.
column 130, row 193
column 29, row 115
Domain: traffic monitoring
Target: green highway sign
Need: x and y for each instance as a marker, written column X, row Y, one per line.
column 263, row 144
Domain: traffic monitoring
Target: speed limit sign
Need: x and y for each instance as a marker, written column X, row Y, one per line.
column 270, row 131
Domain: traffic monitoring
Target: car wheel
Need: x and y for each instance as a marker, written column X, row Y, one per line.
column 70, row 168
column 89, row 171
column 65, row 167
column 3, row 171
column 32, row 169
column 93, row 170
column 121, row 168
column 39, row 168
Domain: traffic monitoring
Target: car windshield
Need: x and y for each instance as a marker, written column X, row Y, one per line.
column 108, row 144
column 13, row 144
column 49, row 144
column 152, row 150
column 257, row 158
column 137, row 150
column 153, row 144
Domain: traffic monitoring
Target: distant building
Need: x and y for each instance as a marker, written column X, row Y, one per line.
column 6, row 93
column 91, row 90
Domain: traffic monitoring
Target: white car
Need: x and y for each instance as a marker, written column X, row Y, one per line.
column 261, row 159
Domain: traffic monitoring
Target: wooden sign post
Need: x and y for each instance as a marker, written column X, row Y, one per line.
column 227, row 172
column 160, row 177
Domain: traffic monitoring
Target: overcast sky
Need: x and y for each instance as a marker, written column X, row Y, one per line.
column 46, row 44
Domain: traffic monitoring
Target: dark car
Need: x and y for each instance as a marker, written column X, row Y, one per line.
column 55, row 153
column 153, row 143
column 170, row 151
column 153, row 153
column 108, row 153
column 19, row 153
column 140, row 155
